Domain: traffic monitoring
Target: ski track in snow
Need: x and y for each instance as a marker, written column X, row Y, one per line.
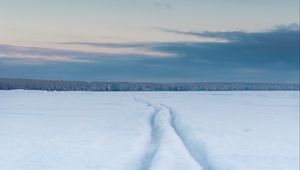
column 158, row 132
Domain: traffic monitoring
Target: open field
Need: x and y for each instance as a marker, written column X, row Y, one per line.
column 234, row 130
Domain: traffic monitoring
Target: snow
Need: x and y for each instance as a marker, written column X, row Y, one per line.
column 250, row 130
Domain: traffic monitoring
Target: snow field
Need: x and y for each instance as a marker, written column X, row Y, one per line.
column 149, row 130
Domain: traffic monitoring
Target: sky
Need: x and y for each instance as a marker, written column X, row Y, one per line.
column 150, row 40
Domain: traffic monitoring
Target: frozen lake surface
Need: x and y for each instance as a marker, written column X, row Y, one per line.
column 149, row 130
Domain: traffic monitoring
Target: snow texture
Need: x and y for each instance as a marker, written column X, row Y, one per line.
column 149, row 130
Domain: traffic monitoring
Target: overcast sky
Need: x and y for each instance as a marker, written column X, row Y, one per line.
column 150, row 40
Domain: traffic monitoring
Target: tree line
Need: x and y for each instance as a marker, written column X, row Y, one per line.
column 61, row 85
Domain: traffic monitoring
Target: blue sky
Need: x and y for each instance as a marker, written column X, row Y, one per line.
column 160, row 40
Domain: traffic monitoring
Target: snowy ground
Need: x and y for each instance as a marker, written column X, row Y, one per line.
column 149, row 130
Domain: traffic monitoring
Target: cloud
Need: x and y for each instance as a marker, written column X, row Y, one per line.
column 163, row 5
column 142, row 49
column 289, row 27
column 269, row 56
column 278, row 49
column 19, row 54
column 111, row 45
column 241, row 36
column 37, row 55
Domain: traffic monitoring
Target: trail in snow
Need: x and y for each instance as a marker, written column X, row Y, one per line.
column 167, row 147
column 154, row 143
column 112, row 131
column 154, row 138
column 196, row 150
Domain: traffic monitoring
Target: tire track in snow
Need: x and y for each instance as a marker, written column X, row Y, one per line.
column 153, row 145
column 157, row 128
column 198, row 156
column 154, row 141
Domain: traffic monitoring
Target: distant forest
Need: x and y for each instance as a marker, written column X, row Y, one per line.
column 59, row 85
